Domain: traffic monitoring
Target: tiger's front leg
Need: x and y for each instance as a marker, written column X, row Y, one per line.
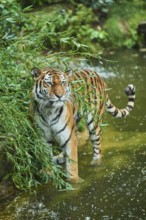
column 71, row 154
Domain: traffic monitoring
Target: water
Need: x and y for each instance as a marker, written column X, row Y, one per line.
column 117, row 188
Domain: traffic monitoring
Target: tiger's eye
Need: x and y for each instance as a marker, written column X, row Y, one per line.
column 63, row 83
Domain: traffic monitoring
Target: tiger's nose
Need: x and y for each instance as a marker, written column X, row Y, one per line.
column 59, row 95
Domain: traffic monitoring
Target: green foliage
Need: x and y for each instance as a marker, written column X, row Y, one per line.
column 98, row 5
column 11, row 21
column 121, row 26
column 81, row 126
column 65, row 28
column 35, row 3
column 80, row 22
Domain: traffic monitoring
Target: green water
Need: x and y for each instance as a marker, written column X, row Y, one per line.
column 116, row 189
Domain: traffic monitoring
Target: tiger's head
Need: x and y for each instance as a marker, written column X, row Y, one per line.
column 51, row 86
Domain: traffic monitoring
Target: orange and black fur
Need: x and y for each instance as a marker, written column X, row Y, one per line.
column 59, row 100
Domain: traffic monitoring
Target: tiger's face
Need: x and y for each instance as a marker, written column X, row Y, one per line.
column 51, row 86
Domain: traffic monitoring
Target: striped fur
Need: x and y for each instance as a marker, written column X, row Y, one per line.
column 58, row 102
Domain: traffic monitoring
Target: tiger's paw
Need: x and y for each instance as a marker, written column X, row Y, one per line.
column 96, row 162
column 59, row 159
column 76, row 180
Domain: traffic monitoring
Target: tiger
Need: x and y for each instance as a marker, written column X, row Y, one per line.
column 60, row 99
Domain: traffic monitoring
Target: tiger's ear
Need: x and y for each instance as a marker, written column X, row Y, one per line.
column 35, row 72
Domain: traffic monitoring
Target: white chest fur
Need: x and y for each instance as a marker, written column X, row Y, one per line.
column 52, row 121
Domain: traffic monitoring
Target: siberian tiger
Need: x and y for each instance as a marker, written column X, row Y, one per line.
column 60, row 99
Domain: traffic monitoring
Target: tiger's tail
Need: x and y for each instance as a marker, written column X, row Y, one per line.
column 122, row 113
